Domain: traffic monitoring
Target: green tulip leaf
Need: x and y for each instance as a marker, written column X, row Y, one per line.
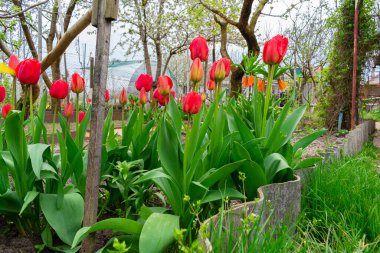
column 67, row 220
column 36, row 154
column 120, row 225
column 158, row 232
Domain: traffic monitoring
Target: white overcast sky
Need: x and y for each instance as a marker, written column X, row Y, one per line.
column 267, row 24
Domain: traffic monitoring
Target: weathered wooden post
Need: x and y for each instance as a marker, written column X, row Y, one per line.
column 104, row 12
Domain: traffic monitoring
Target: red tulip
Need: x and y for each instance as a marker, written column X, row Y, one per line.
column 107, row 96
column 77, row 83
column 199, row 49
column 68, row 112
column 162, row 100
column 211, row 85
column 81, row 116
column 2, row 93
column 59, row 89
column 275, row 49
column 143, row 98
column 196, row 71
column 144, row 81
column 123, row 98
column 165, row 84
column 282, row 85
column 261, row 85
column 13, row 62
column 192, row 103
column 227, row 65
column 212, row 71
column 28, row 71
column 5, row 110
column 220, row 71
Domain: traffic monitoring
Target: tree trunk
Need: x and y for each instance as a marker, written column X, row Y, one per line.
column 159, row 58
column 143, row 35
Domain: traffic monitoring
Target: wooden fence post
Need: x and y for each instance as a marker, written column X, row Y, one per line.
column 97, row 118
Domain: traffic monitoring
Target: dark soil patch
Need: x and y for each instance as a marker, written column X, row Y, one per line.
column 12, row 242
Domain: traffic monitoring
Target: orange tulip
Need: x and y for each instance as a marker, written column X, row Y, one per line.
column 77, row 83
column 196, row 71
column 164, row 85
column 143, row 98
column 123, row 97
column 211, row 85
column 68, row 112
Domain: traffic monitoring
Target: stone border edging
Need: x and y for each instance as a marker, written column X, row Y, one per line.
column 285, row 198
column 353, row 141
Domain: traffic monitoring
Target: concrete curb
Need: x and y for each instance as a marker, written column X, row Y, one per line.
column 280, row 203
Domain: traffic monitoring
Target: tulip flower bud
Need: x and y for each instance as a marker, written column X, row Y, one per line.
column 211, row 85
column 123, row 98
column 282, row 85
column 28, row 71
column 2, row 93
column 5, row 110
column 162, row 100
column 164, row 85
column 81, row 116
column 68, row 112
column 143, row 98
column 192, row 103
column 199, row 49
column 144, row 80
column 220, row 71
column 275, row 49
column 196, row 71
column 227, row 65
column 204, row 96
column 59, row 89
column 13, row 62
column 107, row 96
column 77, row 83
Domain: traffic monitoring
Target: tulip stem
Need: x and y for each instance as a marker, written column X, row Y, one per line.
column 267, row 97
column 122, row 118
column 53, row 133
column 24, row 101
column 67, row 130
column 31, row 110
column 77, row 119
column 14, row 92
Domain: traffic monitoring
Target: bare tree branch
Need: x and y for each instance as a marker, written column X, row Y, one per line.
column 256, row 14
column 69, row 13
column 223, row 36
column 66, row 39
column 5, row 49
column 219, row 13
column 25, row 10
